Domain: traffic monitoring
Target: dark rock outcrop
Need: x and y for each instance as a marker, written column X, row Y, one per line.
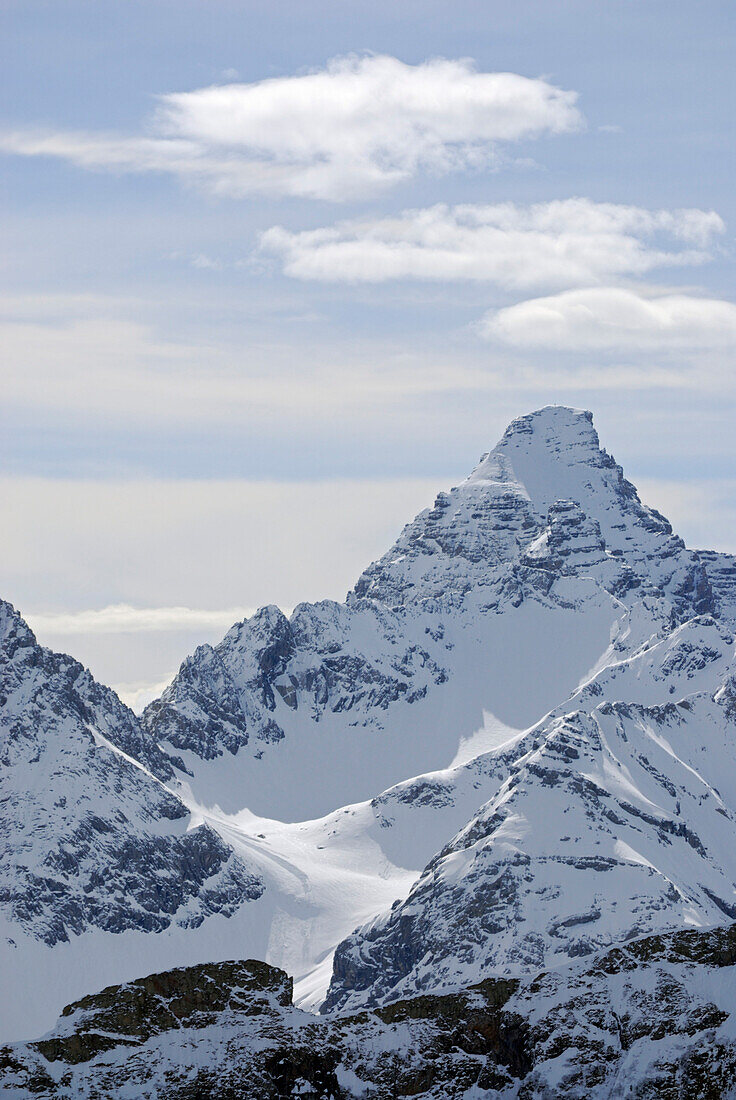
column 650, row 1018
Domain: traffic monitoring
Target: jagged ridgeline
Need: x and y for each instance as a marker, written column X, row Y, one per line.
column 499, row 768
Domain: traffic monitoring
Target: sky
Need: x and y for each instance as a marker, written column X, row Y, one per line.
column 273, row 275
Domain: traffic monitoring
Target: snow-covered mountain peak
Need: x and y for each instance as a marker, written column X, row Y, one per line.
column 547, row 463
column 263, row 624
column 556, row 455
column 559, row 429
column 610, row 821
column 554, row 435
column 92, row 843
column 536, row 682
column 475, row 590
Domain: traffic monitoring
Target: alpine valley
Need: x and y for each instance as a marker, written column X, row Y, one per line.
column 470, row 833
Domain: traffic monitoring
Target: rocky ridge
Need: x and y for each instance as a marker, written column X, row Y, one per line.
column 656, row 1012
column 598, row 832
column 90, row 837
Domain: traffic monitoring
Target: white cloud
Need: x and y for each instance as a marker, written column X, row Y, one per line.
column 121, row 618
column 360, row 124
column 554, row 245
column 205, row 262
column 80, row 365
column 602, row 318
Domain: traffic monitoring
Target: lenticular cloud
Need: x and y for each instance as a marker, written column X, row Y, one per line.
column 553, row 245
column 601, row 318
column 360, row 124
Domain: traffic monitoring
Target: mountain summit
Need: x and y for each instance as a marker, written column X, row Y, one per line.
column 512, row 497
column 544, row 559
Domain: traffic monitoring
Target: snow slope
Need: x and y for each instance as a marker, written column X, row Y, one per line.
column 611, row 823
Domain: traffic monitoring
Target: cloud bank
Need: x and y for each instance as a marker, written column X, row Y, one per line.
column 121, row 618
column 551, row 245
column 359, row 125
column 602, row 318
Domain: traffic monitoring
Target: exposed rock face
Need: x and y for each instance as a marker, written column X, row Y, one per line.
column 225, row 698
column 652, row 1018
column 721, row 569
column 91, row 838
column 485, row 523
column 188, row 997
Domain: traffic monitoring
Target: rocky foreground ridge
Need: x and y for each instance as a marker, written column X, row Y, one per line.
column 652, row 1018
